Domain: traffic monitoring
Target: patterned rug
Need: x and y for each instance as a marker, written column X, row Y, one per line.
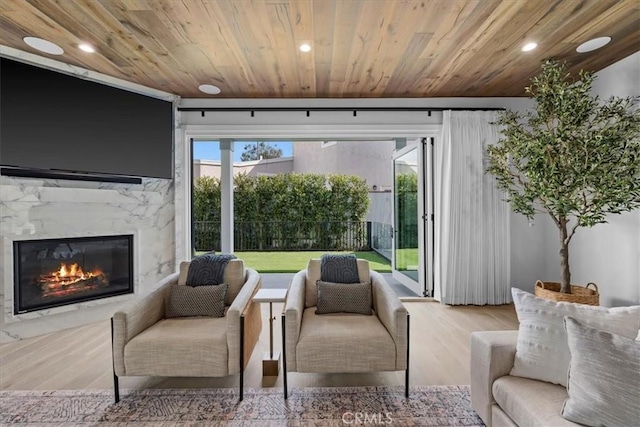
column 318, row 407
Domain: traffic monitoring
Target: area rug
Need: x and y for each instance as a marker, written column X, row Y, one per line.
column 317, row 406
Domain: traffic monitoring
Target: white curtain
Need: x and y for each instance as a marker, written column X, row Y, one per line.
column 472, row 236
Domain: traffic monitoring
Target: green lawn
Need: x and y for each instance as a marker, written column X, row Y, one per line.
column 407, row 259
column 292, row 262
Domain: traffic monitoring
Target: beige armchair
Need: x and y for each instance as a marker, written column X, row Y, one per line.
column 146, row 343
column 344, row 342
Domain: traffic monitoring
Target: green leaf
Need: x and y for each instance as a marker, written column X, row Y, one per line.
column 573, row 156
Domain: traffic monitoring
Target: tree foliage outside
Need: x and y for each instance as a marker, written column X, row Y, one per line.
column 260, row 150
column 406, row 195
column 286, row 209
column 206, row 199
column 300, row 197
column 574, row 158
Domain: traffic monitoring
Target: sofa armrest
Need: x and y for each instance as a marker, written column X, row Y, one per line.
column 130, row 321
column 492, row 356
column 242, row 306
column 393, row 315
column 293, row 311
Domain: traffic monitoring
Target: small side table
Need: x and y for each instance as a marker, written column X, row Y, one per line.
column 271, row 359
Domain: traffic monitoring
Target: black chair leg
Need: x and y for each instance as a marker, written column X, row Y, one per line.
column 116, row 388
column 406, row 384
column 241, row 358
column 406, row 374
column 284, row 359
column 116, row 385
column 284, row 377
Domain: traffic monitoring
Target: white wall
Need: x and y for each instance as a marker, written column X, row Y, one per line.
column 252, row 168
column 607, row 254
column 370, row 160
column 529, row 250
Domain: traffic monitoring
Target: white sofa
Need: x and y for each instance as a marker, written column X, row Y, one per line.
column 592, row 350
column 504, row 400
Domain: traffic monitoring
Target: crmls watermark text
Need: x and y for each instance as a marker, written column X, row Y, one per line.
column 366, row 418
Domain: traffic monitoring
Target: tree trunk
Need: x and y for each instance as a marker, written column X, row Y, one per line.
column 565, row 285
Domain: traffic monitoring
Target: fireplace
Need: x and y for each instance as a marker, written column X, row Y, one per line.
column 54, row 272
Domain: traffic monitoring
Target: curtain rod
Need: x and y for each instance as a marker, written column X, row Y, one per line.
column 429, row 109
column 355, row 110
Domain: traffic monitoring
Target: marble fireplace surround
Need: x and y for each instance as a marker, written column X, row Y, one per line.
column 33, row 209
column 10, row 317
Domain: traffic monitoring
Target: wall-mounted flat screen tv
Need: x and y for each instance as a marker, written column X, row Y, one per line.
column 58, row 122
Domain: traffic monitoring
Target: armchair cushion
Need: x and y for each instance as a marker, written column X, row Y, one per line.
column 343, row 343
column 344, row 298
column 188, row 347
column 234, row 277
column 187, row 301
column 313, row 275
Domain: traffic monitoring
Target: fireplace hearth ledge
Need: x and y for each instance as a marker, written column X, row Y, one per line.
column 23, row 328
column 9, row 317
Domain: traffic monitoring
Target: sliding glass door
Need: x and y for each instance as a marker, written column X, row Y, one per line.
column 410, row 228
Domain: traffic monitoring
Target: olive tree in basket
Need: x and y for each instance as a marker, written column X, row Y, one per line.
column 572, row 157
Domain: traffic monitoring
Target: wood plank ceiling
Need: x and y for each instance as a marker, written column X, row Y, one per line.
column 360, row 48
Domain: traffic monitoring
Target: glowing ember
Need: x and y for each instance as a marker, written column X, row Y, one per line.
column 70, row 279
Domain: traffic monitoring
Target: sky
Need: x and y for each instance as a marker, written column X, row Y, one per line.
column 210, row 150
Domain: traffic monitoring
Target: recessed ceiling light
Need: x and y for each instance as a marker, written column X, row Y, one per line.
column 210, row 89
column 43, row 45
column 305, row 47
column 86, row 47
column 593, row 44
column 529, row 46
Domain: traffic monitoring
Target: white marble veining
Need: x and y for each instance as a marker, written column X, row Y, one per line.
column 44, row 208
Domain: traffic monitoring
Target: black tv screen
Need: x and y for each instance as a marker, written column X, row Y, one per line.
column 54, row 121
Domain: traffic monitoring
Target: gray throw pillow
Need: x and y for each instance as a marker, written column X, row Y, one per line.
column 339, row 268
column 604, row 377
column 343, row 297
column 208, row 269
column 186, row 301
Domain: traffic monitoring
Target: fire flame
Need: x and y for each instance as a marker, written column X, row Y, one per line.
column 70, row 274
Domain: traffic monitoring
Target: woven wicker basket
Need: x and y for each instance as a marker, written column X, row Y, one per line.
column 579, row 294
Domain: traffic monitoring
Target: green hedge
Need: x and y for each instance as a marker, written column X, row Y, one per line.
column 288, row 207
column 407, row 210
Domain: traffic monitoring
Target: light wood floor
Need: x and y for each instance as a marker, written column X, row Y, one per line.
column 80, row 358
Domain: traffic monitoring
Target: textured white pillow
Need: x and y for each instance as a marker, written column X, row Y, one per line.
column 604, row 377
column 542, row 352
